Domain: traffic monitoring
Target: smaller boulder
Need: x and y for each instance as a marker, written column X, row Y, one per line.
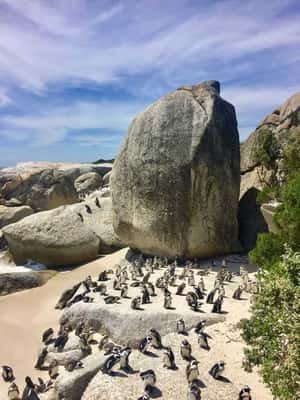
column 88, row 182
column 9, row 215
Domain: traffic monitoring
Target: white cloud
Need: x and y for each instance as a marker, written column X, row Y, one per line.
column 4, row 98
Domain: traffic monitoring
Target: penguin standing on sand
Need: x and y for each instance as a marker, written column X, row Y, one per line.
column 192, row 372
column 200, row 325
column 210, row 296
column 29, row 392
column 202, row 340
column 149, row 379
column 192, row 300
column 156, row 339
column 144, row 344
column 217, row 369
column 136, row 303
column 245, row 393
column 180, row 326
column 7, row 373
column 145, row 396
column 238, row 292
column 41, row 358
column 185, row 350
column 124, row 358
column 53, row 369
column 47, row 336
column 168, row 301
column 169, row 358
column 124, row 290
column 194, row 392
column 145, row 295
column 151, row 289
column 13, row 392
column 180, row 289
column 217, row 307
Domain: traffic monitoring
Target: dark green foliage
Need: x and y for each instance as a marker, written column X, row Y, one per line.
column 268, row 249
column 267, row 149
column 103, row 161
column 273, row 332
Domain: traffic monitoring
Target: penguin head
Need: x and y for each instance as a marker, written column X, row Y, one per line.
column 184, row 343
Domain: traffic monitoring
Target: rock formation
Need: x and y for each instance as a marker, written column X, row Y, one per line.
column 284, row 123
column 175, row 182
column 9, row 215
column 88, row 182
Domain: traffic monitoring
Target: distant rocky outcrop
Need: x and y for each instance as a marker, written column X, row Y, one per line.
column 88, row 182
column 175, row 182
column 284, row 124
column 67, row 235
column 44, row 186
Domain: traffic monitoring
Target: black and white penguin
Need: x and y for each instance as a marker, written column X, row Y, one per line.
column 145, row 295
column 111, row 299
column 192, row 372
column 61, row 340
column 106, row 345
column 191, row 280
column 117, row 284
column 210, row 296
column 136, row 303
column 124, row 358
column 7, row 373
column 151, row 289
column 145, row 396
column 47, row 336
column 169, row 358
column 72, row 365
column 202, row 340
column 156, row 339
column 168, row 301
column 109, row 363
column 124, row 290
column 145, row 343
column 101, row 289
column 180, row 289
column 238, row 292
column 192, row 300
column 217, row 369
column 185, row 350
column 13, row 392
column 53, row 369
column 29, row 392
column 103, row 276
column 245, row 393
column 194, row 392
column 201, row 285
column 180, row 326
column 200, row 325
column 217, row 307
column 41, row 358
column 149, row 379
column 80, row 216
column 198, row 292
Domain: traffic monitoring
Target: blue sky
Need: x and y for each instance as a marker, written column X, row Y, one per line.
column 73, row 73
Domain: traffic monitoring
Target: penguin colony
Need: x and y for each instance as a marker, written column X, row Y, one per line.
column 138, row 274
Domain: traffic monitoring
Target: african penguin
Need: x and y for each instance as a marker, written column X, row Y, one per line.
column 192, row 372
column 185, row 350
column 145, row 344
column 180, row 326
column 13, row 392
column 48, row 336
column 245, row 393
column 109, row 363
column 156, row 339
column 169, row 358
column 7, row 373
column 217, row 369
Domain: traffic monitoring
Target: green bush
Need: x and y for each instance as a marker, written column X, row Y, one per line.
column 273, row 331
column 268, row 249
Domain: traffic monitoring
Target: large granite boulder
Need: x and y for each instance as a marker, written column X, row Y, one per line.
column 175, row 182
column 67, row 235
column 9, row 215
column 44, row 186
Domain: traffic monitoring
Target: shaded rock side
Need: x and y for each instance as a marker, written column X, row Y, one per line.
column 88, row 182
column 14, row 282
column 175, row 181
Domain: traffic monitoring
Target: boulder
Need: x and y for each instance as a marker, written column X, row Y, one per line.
column 268, row 211
column 88, row 182
column 16, row 281
column 106, row 178
column 55, row 237
column 67, row 235
column 9, row 215
column 175, row 181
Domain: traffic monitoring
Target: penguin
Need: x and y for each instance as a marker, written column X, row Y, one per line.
column 61, row 341
column 47, row 336
column 109, row 363
column 145, row 396
column 136, row 303
column 191, row 280
column 185, row 350
column 145, row 295
column 29, row 392
column 7, row 373
column 198, row 292
column 53, row 369
column 151, row 289
column 180, row 289
column 124, row 358
column 201, row 285
column 101, row 289
column 237, row 293
column 149, row 379
column 103, row 342
column 41, row 387
column 194, row 392
column 222, row 291
column 111, row 299
column 124, row 291
column 217, row 369
column 97, row 202
column 200, row 325
column 13, row 392
column 217, row 307
column 80, row 216
column 156, row 339
column 146, row 277
column 88, row 209
column 192, row 371
column 168, row 301
column 79, row 328
column 192, row 300
column 117, row 284
column 72, row 365
column 202, row 340
column 172, row 280
column 145, row 344
column 103, row 276
column 41, row 359
column 210, row 296
column 245, row 393
column 180, row 326
column 169, row 358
